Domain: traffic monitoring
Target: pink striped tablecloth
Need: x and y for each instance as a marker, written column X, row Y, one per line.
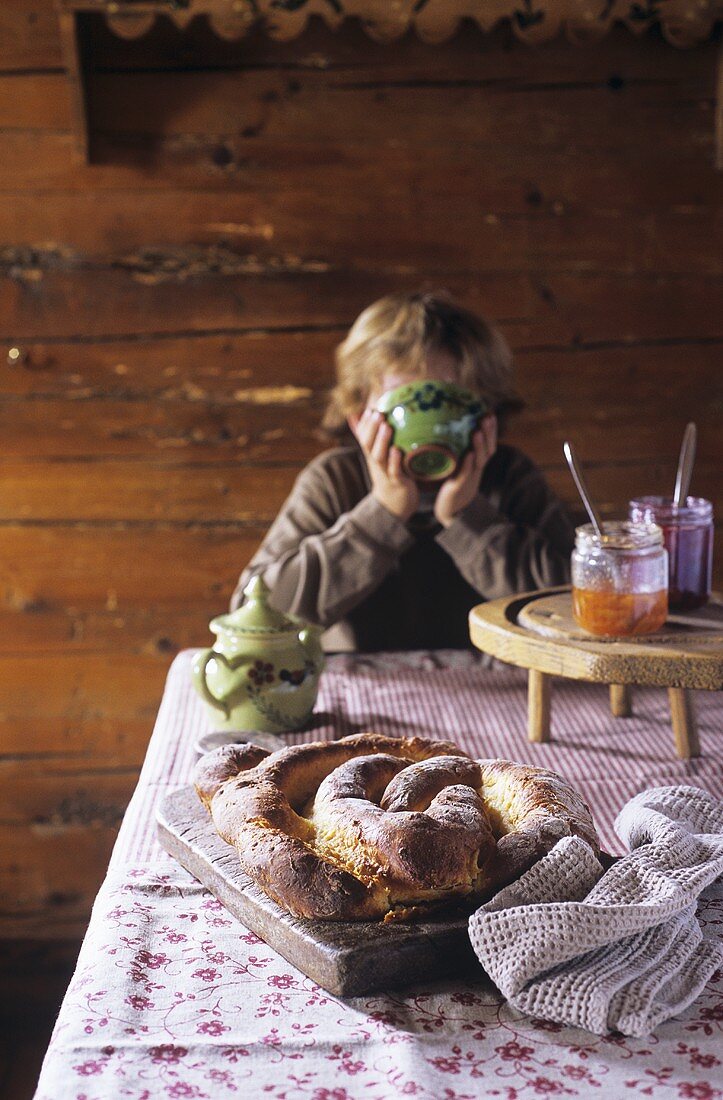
column 174, row 998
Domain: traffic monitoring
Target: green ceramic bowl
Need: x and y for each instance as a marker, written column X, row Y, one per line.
column 433, row 424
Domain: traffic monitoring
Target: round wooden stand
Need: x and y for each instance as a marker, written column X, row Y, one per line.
column 536, row 631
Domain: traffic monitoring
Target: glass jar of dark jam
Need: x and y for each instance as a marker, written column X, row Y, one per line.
column 688, row 534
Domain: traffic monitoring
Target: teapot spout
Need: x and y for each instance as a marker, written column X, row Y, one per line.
column 310, row 638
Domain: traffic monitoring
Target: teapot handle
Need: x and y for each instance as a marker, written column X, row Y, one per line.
column 199, row 679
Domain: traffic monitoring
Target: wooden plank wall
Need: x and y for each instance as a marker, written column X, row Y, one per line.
column 174, row 308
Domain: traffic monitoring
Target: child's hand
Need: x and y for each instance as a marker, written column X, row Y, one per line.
column 397, row 492
column 459, row 491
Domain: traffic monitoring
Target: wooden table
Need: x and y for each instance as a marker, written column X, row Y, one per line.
column 174, row 998
column 536, row 631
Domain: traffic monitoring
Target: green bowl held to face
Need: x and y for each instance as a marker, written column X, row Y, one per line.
column 433, row 425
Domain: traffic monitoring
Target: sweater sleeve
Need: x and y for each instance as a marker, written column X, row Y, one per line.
column 330, row 546
column 513, row 538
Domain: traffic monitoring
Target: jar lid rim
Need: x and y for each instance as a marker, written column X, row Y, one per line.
column 690, row 507
column 622, row 535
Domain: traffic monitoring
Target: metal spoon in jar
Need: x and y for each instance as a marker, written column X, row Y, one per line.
column 685, row 465
column 576, row 471
column 680, row 495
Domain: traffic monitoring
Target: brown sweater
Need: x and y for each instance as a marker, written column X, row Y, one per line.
column 336, row 557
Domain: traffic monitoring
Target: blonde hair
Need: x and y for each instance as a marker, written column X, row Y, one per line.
column 398, row 333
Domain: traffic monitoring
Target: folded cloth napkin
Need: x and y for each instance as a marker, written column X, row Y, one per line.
column 616, row 950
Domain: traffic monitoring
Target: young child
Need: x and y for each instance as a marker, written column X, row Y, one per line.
column 359, row 548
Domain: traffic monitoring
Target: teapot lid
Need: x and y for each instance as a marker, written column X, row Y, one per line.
column 255, row 615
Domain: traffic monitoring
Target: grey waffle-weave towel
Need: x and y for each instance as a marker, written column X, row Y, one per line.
column 619, row 950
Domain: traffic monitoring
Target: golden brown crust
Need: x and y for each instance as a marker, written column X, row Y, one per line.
column 531, row 810
column 417, row 785
column 369, row 825
column 412, row 853
column 216, row 767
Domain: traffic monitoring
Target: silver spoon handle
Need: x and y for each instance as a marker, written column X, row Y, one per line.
column 685, row 464
column 576, row 471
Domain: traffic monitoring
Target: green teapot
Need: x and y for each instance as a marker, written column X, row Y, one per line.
column 263, row 671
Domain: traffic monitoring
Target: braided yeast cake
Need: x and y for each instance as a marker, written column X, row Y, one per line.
column 372, row 826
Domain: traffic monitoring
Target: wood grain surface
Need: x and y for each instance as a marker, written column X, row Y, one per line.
column 551, row 616
column 674, row 657
column 347, row 958
column 168, row 316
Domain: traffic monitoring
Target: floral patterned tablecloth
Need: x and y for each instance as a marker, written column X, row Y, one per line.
column 173, row 998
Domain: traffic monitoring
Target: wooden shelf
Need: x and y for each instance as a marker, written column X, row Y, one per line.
column 684, row 23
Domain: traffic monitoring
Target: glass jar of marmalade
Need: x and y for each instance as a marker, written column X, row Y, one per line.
column 620, row 581
column 688, row 536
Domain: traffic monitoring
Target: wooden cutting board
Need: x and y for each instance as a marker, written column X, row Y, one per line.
column 348, row 958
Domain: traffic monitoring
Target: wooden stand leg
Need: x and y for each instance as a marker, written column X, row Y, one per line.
column 685, row 730
column 538, row 706
column 621, row 705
